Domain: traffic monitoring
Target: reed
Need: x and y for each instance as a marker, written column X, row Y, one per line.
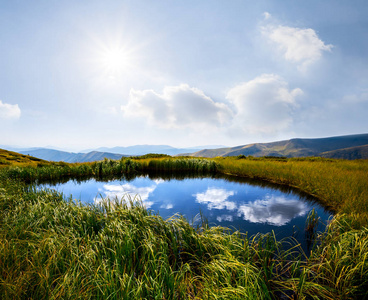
column 340, row 185
column 52, row 247
column 111, row 168
column 189, row 165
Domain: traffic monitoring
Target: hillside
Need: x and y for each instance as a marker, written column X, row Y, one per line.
column 348, row 147
column 359, row 152
column 345, row 147
column 101, row 153
column 70, row 157
column 95, row 156
column 8, row 158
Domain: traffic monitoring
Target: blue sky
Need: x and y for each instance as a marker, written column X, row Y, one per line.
column 84, row 74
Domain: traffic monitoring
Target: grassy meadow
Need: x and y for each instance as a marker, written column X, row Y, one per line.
column 52, row 247
column 9, row 158
column 340, row 185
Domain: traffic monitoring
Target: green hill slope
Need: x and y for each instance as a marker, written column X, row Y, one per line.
column 359, row 152
column 9, row 158
column 70, row 157
column 298, row 148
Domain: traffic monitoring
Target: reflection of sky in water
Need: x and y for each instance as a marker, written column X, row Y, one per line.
column 216, row 198
column 113, row 191
column 245, row 207
column 273, row 210
column 228, row 218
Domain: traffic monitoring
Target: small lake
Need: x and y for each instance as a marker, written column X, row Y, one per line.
column 241, row 204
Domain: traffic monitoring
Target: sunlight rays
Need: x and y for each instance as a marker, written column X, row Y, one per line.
column 112, row 58
column 115, row 60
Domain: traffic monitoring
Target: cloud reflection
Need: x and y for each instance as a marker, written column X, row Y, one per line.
column 113, row 191
column 273, row 210
column 228, row 218
column 216, row 198
column 167, row 206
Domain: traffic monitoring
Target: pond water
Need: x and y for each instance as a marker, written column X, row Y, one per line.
column 241, row 204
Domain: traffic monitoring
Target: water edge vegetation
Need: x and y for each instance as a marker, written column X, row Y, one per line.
column 57, row 248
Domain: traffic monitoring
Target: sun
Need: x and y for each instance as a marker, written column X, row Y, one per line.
column 115, row 60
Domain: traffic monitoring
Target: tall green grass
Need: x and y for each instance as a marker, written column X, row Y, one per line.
column 111, row 168
column 60, row 170
column 182, row 165
column 56, row 248
column 340, row 185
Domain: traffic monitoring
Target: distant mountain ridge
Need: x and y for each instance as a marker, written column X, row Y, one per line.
column 70, row 157
column 347, row 147
column 103, row 152
column 145, row 149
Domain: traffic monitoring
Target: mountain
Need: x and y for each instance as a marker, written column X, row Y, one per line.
column 18, row 149
column 145, row 149
column 345, row 147
column 70, row 157
column 349, row 147
column 101, row 153
column 140, row 149
column 95, row 156
column 359, row 152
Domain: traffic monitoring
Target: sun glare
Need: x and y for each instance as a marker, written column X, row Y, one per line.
column 115, row 60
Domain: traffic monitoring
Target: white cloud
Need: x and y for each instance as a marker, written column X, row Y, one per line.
column 273, row 210
column 9, row 111
column 356, row 98
column 167, row 206
column 266, row 15
column 113, row 191
column 216, row 198
column 300, row 46
column 264, row 104
column 177, row 107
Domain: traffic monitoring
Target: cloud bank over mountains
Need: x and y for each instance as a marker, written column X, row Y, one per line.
column 264, row 104
column 189, row 74
column 177, row 106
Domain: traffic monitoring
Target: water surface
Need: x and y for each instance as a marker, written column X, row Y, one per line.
column 245, row 205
